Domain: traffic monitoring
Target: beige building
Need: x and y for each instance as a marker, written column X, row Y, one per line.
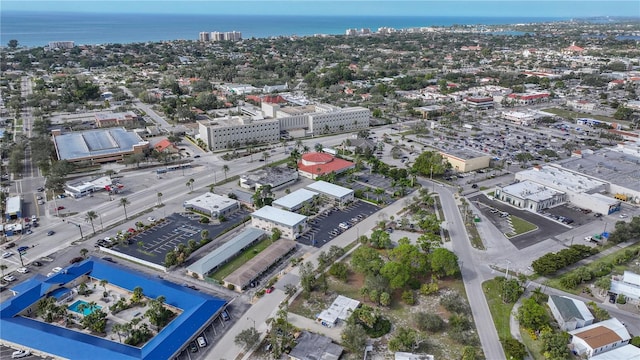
column 230, row 132
column 319, row 119
column 462, row 160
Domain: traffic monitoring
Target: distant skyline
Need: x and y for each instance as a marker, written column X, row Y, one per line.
column 462, row 8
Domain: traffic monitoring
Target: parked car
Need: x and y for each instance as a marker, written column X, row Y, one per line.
column 23, row 270
column 18, row 354
column 225, row 315
column 201, row 341
column 23, row 248
column 56, row 269
column 193, row 347
column 7, row 254
column 34, row 218
column 9, row 278
column 10, row 245
column 36, row 263
column 270, row 290
column 50, row 232
column 76, row 259
column 60, row 208
column 106, row 258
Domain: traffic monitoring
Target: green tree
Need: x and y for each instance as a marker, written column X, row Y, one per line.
column 137, row 295
column 532, row 315
column 84, row 252
column 12, row 44
column 366, row 260
column 404, row 340
column 247, row 338
column 354, row 337
column 430, row 163
column 89, row 217
column 157, row 313
column 554, row 345
column 428, row 322
column 124, row 202
column 307, row 277
column 339, row 271
column 514, row 349
column 444, row 262
column 225, row 168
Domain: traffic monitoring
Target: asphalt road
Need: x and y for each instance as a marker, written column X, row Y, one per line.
column 470, row 275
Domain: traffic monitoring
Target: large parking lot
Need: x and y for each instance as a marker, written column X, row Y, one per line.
column 325, row 226
column 547, row 228
column 153, row 244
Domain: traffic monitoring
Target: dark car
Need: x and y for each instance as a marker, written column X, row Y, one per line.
column 9, row 245
column 40, row 189
column 474, row 186
column 23, row 248
column 193, row 347
column 197, row 156
column 76, row 260
column 50, row 232
column 36, row 263
column 109, row 259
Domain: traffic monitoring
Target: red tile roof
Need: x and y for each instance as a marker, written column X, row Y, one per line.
column 321, row 163
column 163, row 145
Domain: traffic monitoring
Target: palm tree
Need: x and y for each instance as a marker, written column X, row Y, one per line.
column 305, row 149
column 298, row 143
column 190, row 184
column 91, row 215
column 212, row 187
column 225, row 168
column 84, row 252
column 159, row 194
column 318, row 147
column 104, row 283
column 265, row 156
column 204, row 234
column 124, row 202
column 3, row 267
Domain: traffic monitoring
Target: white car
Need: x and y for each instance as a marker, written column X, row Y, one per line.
column 56, row 270
column 34, row 218
column 23, row 270
column 623, row 216
column 20, row 354
column 151, row 219
column 201, row 341
column 9, row 278
column 7, row 254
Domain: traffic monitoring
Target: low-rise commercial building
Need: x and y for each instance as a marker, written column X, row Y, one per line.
column 213, row 205
column 626, row 352
column 599, row 338
column 128, row 119
column 479, row 103
column 628, row 285
column 530, row 196
column 13, row 208
column 340, row 309
column 98, row 146
column 290, row 224
column 295, row 200
column 338, row 193
column 570, row 313
column 465, row 160
column 314, row 164
column 225, row 253
column 248, row 274
column 273, row 176
column 519, row 117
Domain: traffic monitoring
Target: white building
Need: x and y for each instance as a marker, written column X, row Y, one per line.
column 599, row 338
column 530, row 196
column 570, row 313
column 290, row 224
column 212, row 205
column 319, row 119
column 628, row 285
column 231, row 132
column 627, row 352
column 580, row 190
column 295, row 200
column 272, row 176
column 13, row 209
column 340, row 309
column 519, row 117
column 338, row 193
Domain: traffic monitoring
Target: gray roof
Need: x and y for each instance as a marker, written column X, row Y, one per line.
column 311, row 346
column 261, row 263
column 330, row 189
column 295, row 198
column 226, row 251
column 567, row 307
column 14, row 205
column 279, row 216
column 78, row 145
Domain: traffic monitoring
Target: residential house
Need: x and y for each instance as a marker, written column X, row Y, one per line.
column 599, row 338
column 570, row 313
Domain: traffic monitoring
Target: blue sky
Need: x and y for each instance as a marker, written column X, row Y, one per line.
column 510, row 8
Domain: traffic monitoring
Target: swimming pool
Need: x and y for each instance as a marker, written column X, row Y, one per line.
column 86, row 311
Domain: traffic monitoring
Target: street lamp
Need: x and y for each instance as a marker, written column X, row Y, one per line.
column 79, row 228
column 101, row 226
column 507, row 273
column 254, row 322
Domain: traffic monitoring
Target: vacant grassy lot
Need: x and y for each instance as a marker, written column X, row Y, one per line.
column 575, row 114
column 234, row 264
column 520, row 226
column 500, row 312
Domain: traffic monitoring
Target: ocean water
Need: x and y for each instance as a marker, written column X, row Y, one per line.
column 37, row 28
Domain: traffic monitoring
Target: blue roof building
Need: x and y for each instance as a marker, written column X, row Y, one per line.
column 198, row 311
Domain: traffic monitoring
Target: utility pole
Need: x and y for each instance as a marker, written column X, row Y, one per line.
column 79, row 228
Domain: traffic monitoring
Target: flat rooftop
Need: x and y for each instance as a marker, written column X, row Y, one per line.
column 295, row 198
column 83, row 144
column 276, row 215
column 211, row 201
column 233, row 121
column 562, row 179
column 611, row 166
column 298, row 110
column 530, row 190
column 329, row 189
column 463, row 153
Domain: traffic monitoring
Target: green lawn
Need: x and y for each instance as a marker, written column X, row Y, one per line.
column 500, row 312
column 520, row 226
column 234, row 264
column 534, row 346
column 575, row 114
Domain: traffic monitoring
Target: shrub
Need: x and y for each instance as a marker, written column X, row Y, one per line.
column 231, row 287
column 514, row 349
column 428, row 322
column 339, row 271
column 621, row 299
column 408, row 297
column 453, row 302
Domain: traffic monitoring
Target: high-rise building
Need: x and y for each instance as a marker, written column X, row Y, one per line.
column 204, row 36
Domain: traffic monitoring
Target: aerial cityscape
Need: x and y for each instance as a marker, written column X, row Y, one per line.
column 410, row 180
